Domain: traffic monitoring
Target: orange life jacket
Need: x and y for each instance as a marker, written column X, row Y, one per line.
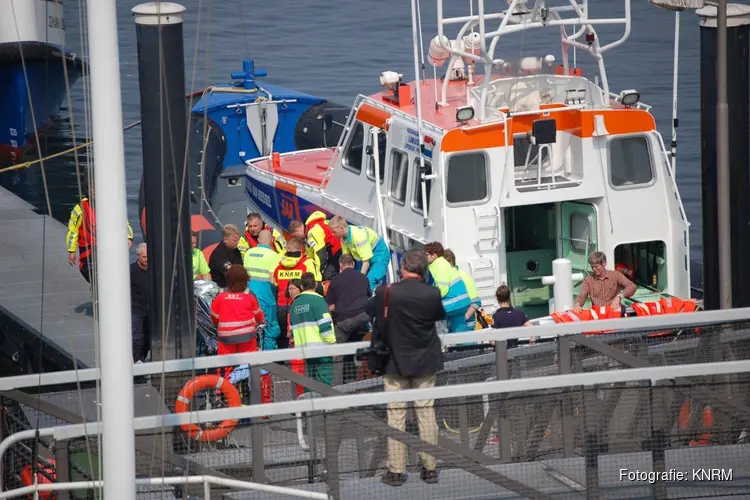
column 86, row 232
column 283, row 275
column 593, row 314
column 669, row 305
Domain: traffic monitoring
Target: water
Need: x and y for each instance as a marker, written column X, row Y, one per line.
column 338, row 49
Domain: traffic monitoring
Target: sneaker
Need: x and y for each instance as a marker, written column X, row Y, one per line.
column 428, row 476
column 393, row 479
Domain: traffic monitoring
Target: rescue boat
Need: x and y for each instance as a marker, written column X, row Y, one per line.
column 510, row 163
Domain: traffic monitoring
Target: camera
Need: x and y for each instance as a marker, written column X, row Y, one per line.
column 377, row 356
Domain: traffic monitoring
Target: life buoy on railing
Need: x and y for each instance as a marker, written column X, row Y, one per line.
column 201, row 383
column 593, row 314
column 669, row 305
column 707, row 421
column 42, row 473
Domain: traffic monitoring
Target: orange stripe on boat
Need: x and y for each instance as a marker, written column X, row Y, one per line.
column 373, row 116
column 461, row 139
column 575, row 122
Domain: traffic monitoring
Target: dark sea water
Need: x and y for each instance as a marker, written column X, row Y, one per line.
column 337, row 49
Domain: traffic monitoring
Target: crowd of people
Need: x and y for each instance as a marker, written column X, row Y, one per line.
column 325, row 285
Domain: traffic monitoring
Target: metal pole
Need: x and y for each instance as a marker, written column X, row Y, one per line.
column 722, row 160
column 113, row 277
column 675, row 77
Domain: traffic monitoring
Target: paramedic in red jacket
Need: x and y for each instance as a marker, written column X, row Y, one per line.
column 237, row 315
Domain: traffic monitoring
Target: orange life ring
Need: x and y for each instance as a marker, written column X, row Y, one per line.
column 27, row 479
column 201, row 383
column 708, row 422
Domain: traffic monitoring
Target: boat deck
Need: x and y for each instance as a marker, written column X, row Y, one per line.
column 42, row 297
column 308, row 167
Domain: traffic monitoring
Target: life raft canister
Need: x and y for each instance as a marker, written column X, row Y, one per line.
column 668, row 305
column 593, row 314
column 201, row 383
column 43, row 475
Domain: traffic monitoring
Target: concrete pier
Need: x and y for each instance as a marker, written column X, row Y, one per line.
column 42, row 298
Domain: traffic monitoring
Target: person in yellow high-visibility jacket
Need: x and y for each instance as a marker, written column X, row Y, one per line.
column 370, row 252
column 471, row 289
column 81, row 237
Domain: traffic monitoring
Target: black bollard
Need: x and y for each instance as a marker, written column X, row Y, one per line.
column 738, row 94
column 161, row 75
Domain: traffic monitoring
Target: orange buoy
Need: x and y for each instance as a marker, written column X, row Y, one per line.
column 201, row 383
column 27, row 478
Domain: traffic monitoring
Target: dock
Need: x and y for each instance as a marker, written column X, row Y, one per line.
column 45, row 304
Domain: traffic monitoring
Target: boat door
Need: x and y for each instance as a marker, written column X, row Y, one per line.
column 262, row 118
column 578, row 233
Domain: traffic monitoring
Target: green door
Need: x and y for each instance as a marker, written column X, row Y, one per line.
column 578, row 233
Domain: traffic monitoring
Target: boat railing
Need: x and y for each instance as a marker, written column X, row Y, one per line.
column 517, row 17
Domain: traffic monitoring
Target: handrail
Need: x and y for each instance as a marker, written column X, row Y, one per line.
column 349, row 401
column 167, row 481
column 660, row 322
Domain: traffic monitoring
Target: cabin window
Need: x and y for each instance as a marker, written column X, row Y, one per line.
column 468, row 178
column 630, row 161
column 416, row 202
column 521, row 146
column 645, row 263
column 399, row 176
column 580, row 231
column 353, row 157
column 381, row 159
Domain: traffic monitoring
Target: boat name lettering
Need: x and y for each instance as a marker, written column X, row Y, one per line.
column 261, row 196
column 412, row 140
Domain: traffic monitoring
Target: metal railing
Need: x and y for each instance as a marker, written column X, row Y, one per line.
column 206, row 481
column 673, row 321
column 550, row 384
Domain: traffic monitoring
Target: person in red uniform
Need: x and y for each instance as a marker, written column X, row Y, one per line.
column 237, row 315
column 292, row 266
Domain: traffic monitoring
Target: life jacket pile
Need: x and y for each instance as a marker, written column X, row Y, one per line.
column 593, row 314
column 669, row 305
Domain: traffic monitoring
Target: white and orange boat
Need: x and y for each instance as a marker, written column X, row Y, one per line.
column 511, row 164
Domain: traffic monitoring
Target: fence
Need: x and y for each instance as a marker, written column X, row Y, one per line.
column 557, row 418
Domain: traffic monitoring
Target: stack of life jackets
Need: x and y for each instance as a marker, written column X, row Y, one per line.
column 668, row 305
column 593, row 314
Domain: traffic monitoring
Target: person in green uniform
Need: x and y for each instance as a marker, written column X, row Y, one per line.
column 312, row 325
column 200, row 266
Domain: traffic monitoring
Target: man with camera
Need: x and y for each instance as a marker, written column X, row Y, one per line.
column 407, row 350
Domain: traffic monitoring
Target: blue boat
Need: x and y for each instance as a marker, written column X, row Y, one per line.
column 239, row 121
column 33, row 67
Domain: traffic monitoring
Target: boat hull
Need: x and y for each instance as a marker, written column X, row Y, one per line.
column 26, row 106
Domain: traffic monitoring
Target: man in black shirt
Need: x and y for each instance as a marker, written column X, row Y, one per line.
column 225, row 255
column 139, row 305
column 347, row 295
column 416, row 356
